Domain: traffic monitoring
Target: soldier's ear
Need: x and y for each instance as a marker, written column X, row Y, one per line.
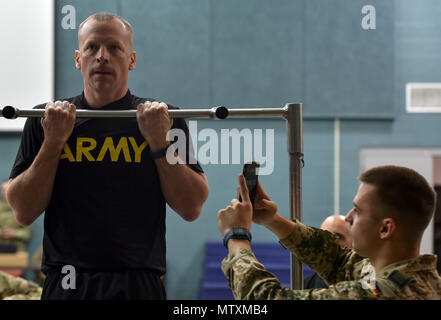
column 77, row 60
column 387, row 228
column 132, row 62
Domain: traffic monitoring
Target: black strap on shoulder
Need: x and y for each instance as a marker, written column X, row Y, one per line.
column 400, row 279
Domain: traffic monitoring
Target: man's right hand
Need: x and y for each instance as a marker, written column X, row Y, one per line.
column 264, row 210
column 58, row 122
column 265, row 213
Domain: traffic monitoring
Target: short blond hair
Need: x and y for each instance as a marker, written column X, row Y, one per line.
column 106, row 16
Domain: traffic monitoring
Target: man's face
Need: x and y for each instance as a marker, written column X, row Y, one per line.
column 105, row 56
column 338, row 226
column 364, row 220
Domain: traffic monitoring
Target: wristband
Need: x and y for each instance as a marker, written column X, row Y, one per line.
column 237, row 233
column 159, row 154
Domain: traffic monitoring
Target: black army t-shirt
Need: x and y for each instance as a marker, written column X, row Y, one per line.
column 107, row 211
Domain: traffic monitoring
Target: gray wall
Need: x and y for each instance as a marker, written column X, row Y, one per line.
column 265, row 53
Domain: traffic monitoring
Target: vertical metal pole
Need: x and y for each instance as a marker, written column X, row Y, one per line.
column 295, row 150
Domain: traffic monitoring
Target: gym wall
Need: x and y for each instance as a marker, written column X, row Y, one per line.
column 202, row 53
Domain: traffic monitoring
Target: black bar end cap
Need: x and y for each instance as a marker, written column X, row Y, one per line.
column 9, row 112
column 222, row 112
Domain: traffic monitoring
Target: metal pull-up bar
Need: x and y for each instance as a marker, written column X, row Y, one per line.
column 219, row 112
column 292, row 113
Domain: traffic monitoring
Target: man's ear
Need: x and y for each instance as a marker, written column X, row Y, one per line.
column 77, row 60
column 387, row 228
column 132, row 60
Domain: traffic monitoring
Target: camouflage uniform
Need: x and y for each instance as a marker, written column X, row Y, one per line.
column 36, row 266
column 7, row 221
column 348, row 275
column 15, row 288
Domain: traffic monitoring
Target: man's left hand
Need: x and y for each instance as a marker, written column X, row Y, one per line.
column 154, row 123
column 237, row 214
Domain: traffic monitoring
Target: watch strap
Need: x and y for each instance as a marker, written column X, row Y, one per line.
column 237, row 233
column 160, row 153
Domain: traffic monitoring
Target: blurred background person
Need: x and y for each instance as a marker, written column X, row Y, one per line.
column 16, row 288
column 13, row 236
column 337, row 225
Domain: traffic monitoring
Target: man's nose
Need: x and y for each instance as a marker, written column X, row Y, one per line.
column 348, row 217
column 102, row 55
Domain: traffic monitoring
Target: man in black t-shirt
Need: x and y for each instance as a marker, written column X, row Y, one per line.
column 103, row 183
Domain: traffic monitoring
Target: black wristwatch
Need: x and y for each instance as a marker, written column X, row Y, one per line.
column 160, row 153
column 237, row 233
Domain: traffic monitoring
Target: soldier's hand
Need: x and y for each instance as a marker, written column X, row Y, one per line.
column 264, row 209
column 237, row 214
column 58, row 122
column 154, row 123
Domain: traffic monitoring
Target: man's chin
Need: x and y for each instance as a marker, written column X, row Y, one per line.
column 359, row 252
column 102, row 86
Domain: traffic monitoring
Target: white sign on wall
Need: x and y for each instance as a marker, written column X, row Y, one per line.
column 27, row 40
column 418, row 159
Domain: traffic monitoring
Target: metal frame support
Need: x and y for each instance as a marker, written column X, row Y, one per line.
column 294, row 130
column 292, row 113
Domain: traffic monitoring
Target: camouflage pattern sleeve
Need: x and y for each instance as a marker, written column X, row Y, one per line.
column 319, row 249
column 249, row 280
column 22, row 233
column 14, row 288
column 35, row 295
column 8, row 221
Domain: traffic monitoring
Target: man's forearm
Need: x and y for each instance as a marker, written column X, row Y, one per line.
column 317, row 248
column 281, row 226
column 184, row 189
column 29, row 193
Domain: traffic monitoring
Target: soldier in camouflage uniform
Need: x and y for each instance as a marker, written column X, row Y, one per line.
column 15, row 288
column 10, row 231
column 36, row 266
column 392, row 208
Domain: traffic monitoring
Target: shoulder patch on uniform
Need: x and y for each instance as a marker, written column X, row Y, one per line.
column 400, row 279
column 373, row 287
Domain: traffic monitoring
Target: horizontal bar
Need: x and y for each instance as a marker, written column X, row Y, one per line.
column 257, row 112
column 220, row 112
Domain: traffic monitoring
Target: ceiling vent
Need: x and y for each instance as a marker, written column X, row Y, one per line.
column 423, row 97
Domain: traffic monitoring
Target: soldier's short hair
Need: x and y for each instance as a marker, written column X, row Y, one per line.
column 406, row 192
column 105, row 16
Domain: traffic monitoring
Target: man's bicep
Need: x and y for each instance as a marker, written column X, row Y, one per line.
column 202, row 174
column 30, row 144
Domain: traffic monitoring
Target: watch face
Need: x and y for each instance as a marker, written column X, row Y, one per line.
column 239, row 231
